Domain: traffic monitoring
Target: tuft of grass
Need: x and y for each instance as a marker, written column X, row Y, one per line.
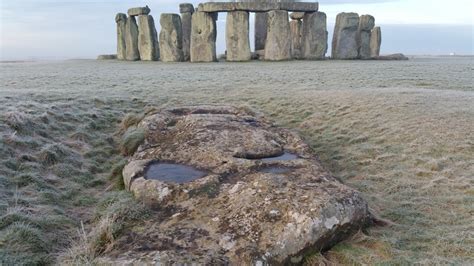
column 131, row 139
column 116, row 174
column 129, row 120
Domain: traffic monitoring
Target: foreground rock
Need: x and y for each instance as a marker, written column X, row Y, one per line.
column 147, row 39
column 203, row 37
column 278, row 42
column 237, row 36
column 171, row 38
column 344, row 42
column 249, row 192
column 121, row 20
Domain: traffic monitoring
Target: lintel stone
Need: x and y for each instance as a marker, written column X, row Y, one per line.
column 258, row 6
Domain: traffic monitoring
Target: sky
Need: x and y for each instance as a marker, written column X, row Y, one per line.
column 53, row 29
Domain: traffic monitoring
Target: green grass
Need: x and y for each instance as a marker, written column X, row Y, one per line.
column 408, row 148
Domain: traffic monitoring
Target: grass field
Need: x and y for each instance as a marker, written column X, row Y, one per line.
column 400, row 132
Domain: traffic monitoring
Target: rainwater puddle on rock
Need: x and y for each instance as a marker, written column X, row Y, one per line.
column 172, row 173
column 275, row 170
column 284, row 157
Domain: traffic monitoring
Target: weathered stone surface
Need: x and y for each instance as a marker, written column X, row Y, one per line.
column 344, row 43
column 203, row 37
column 147, row 39
column 296, row 27
column 137, row 11
column 391, row 57
column 297, row 15
column 107, row 57
column 237, row 36
column 278, row 43
column 187, row 11
column 171, row 38
column 366, row 24
column 186, row 8
column 248, row 208
column 315, row 36
column 375, row 42
column 260, row 31
column 131, row 39
column 121, row 20
column 258, row 6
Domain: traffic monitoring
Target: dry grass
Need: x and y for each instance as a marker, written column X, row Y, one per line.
column 400, row 132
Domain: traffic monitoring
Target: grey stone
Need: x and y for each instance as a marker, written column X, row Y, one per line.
column 171, row 38
column 297, row 15
column 296, row 30
column 375, row 42
column 237, row 36
column 186, row 8
column 131, row 39
column 121, row 20
column 252, row 214
column 136, row 11
column 147, row 39
column 366, row 24
column 391, row 57
column 315, row 36
column 203, row 37
column 107, row 57
column 278, row 43
column 344, row 43
column 258, row 6
column 260, row 31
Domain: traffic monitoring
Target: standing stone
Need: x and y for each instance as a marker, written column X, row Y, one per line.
column 344, row 43
column 121, row 20
column 296, row 30
column 186, row 11
column 203, row 37
column 171, row 38
column 315, row 36
column 147, row 39
column 366, row 24
column 375, row 42
column 237, row 36
column 131, row 39
column 261, row 19
column 278, row 43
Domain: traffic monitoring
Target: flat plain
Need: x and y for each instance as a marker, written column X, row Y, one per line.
column 402, row 133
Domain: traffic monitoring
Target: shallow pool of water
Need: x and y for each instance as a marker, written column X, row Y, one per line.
column 173, row 173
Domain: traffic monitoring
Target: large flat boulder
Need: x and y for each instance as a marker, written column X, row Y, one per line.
column 233, row 189
column 255, row 6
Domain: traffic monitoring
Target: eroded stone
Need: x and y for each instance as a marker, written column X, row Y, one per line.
column 203, row 37
column 315, row 36
column 171, row 38
column 131, row 39
column 366, row 24
column 147, row 39
column 237, row 36
column 344, row 42
column 375, row 42
column 243, row 211
column 278, row 42
column 121, row 20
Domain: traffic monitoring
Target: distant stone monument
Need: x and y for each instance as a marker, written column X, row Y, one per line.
column 237, row 36
column 344, row 43
column 203, row 37
column 296, row 28
column 131, row 39
column 147, row 39
column 375, row 42
column 366, row 24
column 171, row 38
column 315, row 36
column 278, row 42
column 186, row 11
column 121, row 20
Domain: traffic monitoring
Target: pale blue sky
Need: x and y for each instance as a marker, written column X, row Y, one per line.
column 84, row 28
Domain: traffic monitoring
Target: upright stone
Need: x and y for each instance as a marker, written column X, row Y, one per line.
column 237, row 36
column 366, row 24
column 315, row 36
column 147, row 39
column 121, row 20
column 278, row 43
column 131, row 39
column 375, row 42
column 296, row 30
column 203, row 37
column 344, row 43
column 186, row 11
column 171, row 38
